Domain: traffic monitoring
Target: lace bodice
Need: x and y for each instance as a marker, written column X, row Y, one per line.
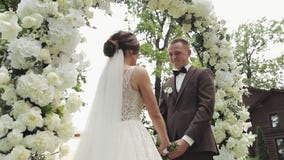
column 132, row 103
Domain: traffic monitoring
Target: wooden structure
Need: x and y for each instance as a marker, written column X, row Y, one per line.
column 266, row 109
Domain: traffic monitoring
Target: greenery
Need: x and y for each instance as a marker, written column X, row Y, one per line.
column 156, row 28
column 262, row 150
column 252, row 40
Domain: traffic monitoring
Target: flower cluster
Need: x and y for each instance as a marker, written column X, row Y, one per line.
column 40, row 76
column 214, row 48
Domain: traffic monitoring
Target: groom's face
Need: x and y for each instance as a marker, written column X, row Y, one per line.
column 179, row 54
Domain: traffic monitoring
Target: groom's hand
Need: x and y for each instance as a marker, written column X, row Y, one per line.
column 182, row 146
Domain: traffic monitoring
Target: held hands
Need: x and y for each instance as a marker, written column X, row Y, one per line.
column 165, row 149
column 178, row 149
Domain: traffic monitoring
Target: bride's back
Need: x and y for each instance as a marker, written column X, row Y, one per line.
column 132, row 102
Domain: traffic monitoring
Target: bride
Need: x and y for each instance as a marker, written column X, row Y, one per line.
column 114, row 130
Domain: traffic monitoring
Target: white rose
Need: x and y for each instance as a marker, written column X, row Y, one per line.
column 225, row 154
column 22, row 49
column 36, row 88
column 52, row 121
column 64, row 151
column 20, row 152
column 178, row 8
column 10, row 94
column 67, row 73
column 4, row 75
column 29, row 7
column 66, row 130
column 6, row 122
column 20, row 107
column 73, row 103
column 53, row 79
column 165, row 4
column 28, row 22
column 44, row 141
column 63, row 36
column 45, row 56
column 15, row 137
column 5, row 146
column 9, row 26
column 35, row 21
column 203, row 7
column 75, row 18
column 32, row 118
column 236, row 130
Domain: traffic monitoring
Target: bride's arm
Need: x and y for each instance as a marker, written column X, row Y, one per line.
column 141, row 80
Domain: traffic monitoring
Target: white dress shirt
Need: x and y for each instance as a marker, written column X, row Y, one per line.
column 179, row 80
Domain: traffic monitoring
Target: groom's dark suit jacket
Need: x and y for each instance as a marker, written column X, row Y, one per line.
column 189, row 112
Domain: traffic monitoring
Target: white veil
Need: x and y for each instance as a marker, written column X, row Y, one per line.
column 100, row 139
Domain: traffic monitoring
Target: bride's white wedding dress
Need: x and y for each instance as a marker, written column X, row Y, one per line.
column 114, row 130
column 139, row 145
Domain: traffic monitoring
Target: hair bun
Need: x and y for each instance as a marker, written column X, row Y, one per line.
column 110, row 48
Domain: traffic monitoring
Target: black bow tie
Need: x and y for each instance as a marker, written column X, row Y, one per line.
column 182, row 70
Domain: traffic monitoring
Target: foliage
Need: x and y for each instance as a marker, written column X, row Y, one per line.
column 40, row 76
column 7, row 5
column 252, row 41
column 212, row 44
column 156, row 28
column 262, row 150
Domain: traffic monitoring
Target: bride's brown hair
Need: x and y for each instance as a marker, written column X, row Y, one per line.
column 121, row 40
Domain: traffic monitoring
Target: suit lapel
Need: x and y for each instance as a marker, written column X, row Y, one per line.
column 187, row 77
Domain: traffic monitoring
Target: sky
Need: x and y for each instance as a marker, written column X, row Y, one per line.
column 235, row 12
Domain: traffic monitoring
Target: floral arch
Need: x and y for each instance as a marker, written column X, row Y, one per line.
column 41, row 74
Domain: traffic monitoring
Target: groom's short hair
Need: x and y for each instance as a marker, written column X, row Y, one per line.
column 183, row 41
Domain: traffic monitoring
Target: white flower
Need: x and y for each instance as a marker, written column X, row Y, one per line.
column 236, row 130
column 73, row 103
column 22, row 51
column 64, row 150
column 225, row 154
column 63, row 36
column 53, row 79
column 75, row 18
column 164, row 4
column 35, row 20
column 52, row 121
column 178, row 8
column 9, row 26
column 68, row 75
column 29, row 7
column 4, row 75
column 203, row 8
column 36, row 88
column 224, row 79
column 42, row 141
column 5, row 146
column 10, row 94
column 168, row 90
column 20, row 107
column 19, row 152
column 6, row 123
column 32, row 118
column 45, row 56
column 15, row 137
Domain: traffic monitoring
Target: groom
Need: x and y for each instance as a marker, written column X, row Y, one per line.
column 187, row 105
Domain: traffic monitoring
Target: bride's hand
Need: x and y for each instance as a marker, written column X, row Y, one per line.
column 163, row 148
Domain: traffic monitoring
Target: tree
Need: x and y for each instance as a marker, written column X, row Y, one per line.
column 157, row 28
column 263, row 153
column 251, row 42
column 9, row 5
